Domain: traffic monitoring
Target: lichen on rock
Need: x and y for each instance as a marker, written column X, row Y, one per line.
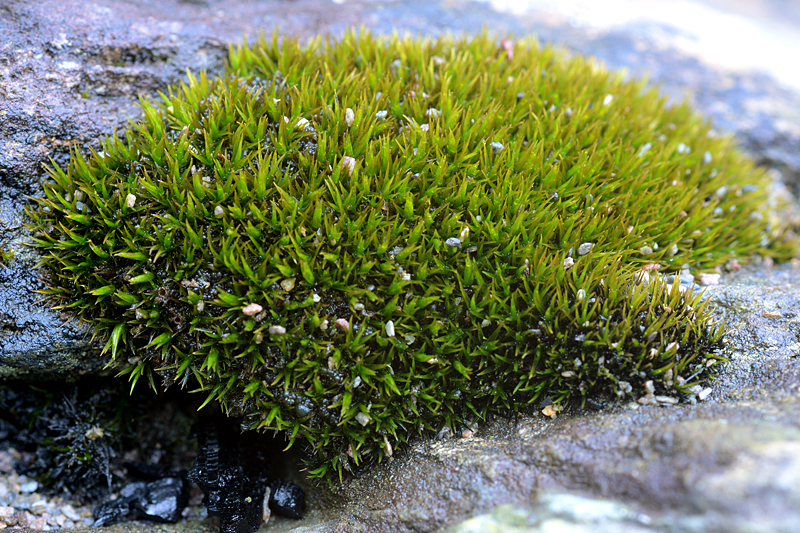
column 359, row 240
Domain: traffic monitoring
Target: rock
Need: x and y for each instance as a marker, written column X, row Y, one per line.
column 233, row 471
column 71, row 72
column 558, row 512
column 286, row 499
column 162, row 500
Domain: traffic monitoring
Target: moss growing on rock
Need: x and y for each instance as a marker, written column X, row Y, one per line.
column 361, row 240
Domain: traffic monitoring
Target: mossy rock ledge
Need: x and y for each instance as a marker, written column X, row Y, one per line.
column 359, row 240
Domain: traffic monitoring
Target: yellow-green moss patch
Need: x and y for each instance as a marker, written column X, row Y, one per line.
column 359, row 240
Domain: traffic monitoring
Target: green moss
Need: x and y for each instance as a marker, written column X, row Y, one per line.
column 6, row 255
column 429, row 196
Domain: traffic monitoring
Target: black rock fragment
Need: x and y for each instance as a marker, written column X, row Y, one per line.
column 234, row 470
column 286, row 499
column 162, row 500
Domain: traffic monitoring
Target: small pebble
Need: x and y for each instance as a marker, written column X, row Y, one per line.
column 39, row 507
column 381, row 114
column 453, row 242
column 70, row 513
column 349, row 117
column 645, row 250
column 550, row 411
column 363, row 418
column 703, row 394
column 608, row 99
column 708, row 279
column 342, row 324
column 30, row 486
column 433, row 113
column 673, row 346
column 348, row 164
column 218, row 211
column 497, row 147
column 277, row 330
column 389, row 329
column 568, row 262
column 585, row 248
column 130, row 201
column 666, row 400
column 252, row 309
column 265, row 510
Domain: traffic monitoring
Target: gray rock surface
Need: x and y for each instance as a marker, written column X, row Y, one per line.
column 72, row 72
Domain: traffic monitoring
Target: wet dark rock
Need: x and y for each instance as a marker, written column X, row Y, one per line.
column 286, row 499
column 234, row 469
column 162, row 500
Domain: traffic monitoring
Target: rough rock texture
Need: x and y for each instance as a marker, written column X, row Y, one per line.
column 70, row 72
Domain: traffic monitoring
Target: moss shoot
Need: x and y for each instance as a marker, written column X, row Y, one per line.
column 359, row 240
